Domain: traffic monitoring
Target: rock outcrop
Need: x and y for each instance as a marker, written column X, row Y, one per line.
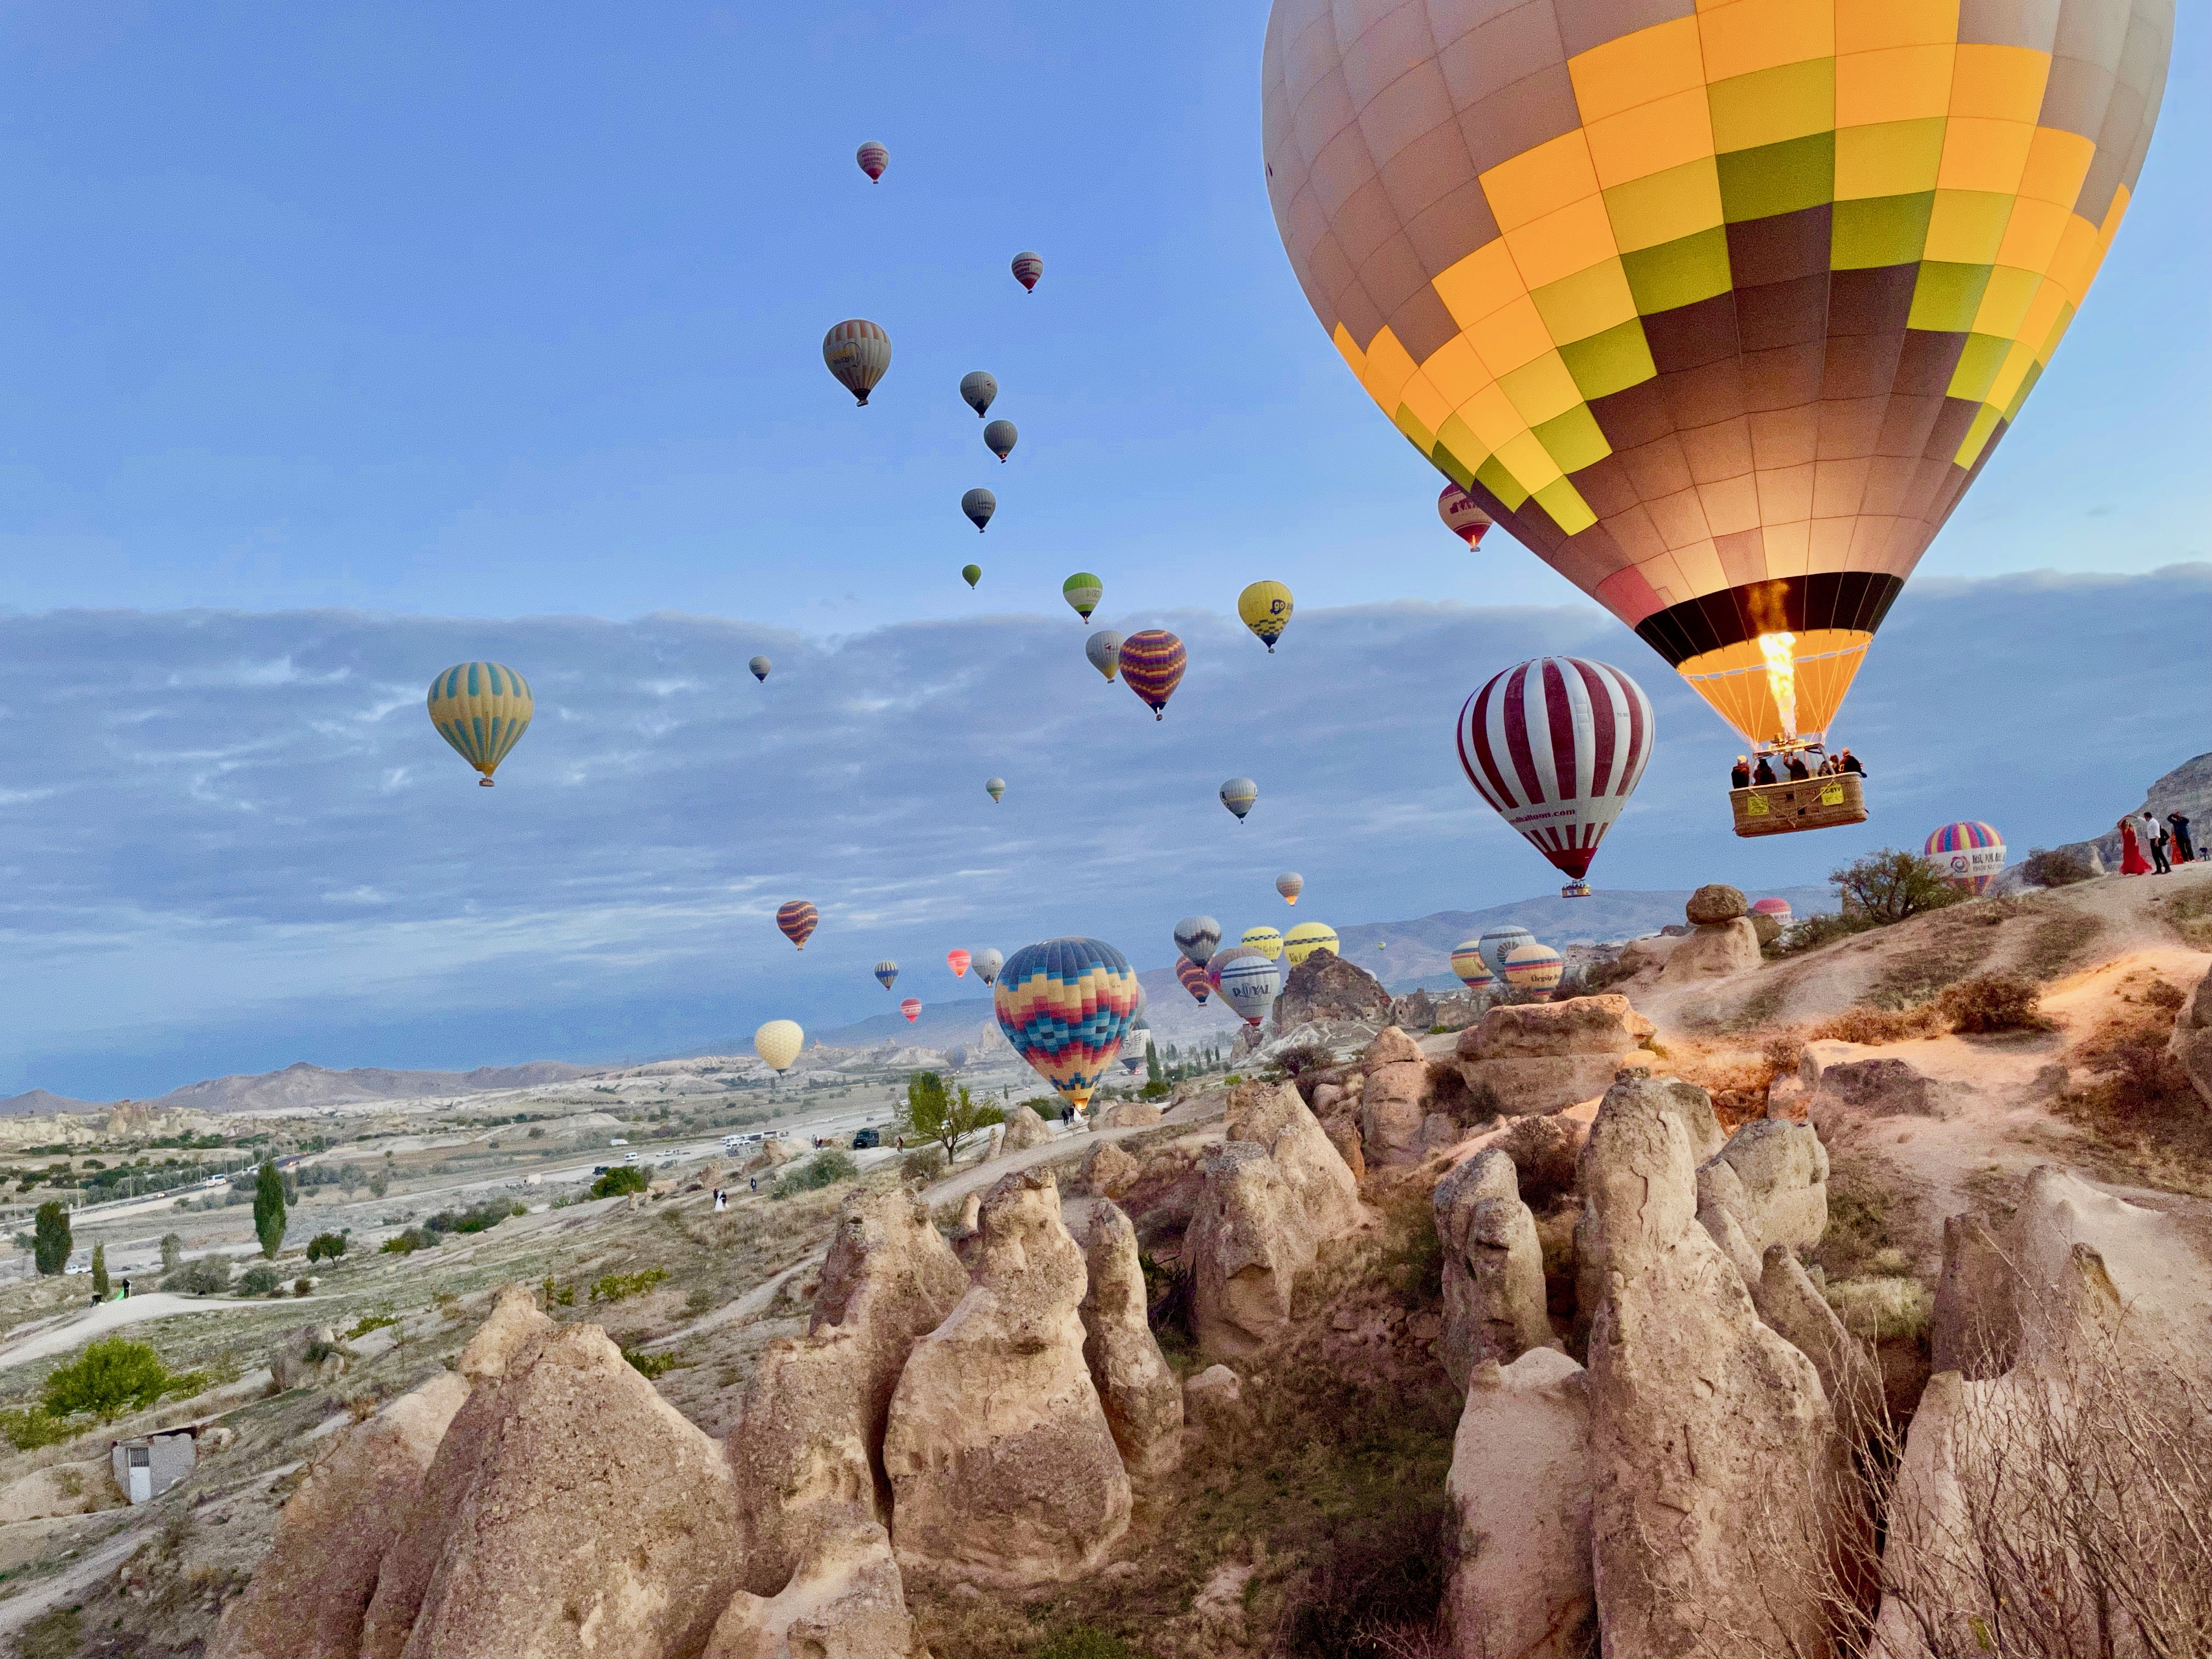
column 311, row 1592
column 1976, row 1331
column 2191, row 1043
column 846, row 1600
column 1215, row 1398
column 807, row 1451
column 1326, row 989
column 1003, row 1467
column 1273, row 1190
column 1493, row 1268
column 1107, row 1170
column 1533, row 1058
column 1024, row 1128
column 1722, row 940
column 1843, row 1075
column 1709, row 1434
column 1396, row 1100
column 311, row 1358
column 1126, row 1114
column 1414, row 1011
column 1142, row 1398
column 1520, row 1483
column 1767, row 1185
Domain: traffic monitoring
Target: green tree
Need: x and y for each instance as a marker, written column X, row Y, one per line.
column 1153, row 1062
column 51, row 1246
column 269, row 1209
column 932, row 1112
column 333, row 1245
column 113, row 1375
column 1890, row 885
column 99, row 1270
column 172, row 1252
column 622, row 1178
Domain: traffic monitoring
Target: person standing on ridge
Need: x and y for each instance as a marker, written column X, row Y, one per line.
column 2184, row 849
column 2155, row 841
column 2132, row 862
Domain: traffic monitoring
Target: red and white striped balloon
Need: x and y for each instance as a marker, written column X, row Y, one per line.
column 1557, row 745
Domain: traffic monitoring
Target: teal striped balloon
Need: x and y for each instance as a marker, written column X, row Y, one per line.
column 482, row 708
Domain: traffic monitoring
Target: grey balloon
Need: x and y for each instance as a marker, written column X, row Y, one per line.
column 999, row 437
column 977, row 388
column 979, row 505
column 1197, row 937
column 987, row 964
column 760, row 666
column 1238, row 794
column 1105, row 650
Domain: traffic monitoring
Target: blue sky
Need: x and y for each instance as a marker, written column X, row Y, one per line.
column 346, row 342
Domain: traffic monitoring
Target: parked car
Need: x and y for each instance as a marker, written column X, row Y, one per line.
column 867, row 1139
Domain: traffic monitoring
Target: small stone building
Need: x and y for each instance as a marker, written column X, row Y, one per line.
column 148, row 1465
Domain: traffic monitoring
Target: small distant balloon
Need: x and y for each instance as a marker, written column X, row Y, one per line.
column 1152, row 666
column 1197, row 937
column 1105, row 650
column 777, row 1044
column 1265, row 608
column 482, row 709
column 958, row 961
column 1238, row 794
column 971, row 574
column 887, row 972
column 995, row 788
column 999, row 437
column 1462, row 516
column 760, row 666
column 977, row 389
column 1290, row 884
column 979, row 505
column 796, row 919
column 911, row 1007
column 1267, row 941
column 987, row 963
column 874, row 159
column 1082, row 591
column 1193, row 979
column 1027, row 269
column 858, row 353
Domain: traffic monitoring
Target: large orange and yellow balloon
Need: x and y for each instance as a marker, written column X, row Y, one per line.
column 1718, row 308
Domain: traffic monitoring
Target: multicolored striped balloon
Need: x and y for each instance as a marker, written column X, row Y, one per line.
column 1308, row 937
column 1969, row 853
column 1065, row 1005
column 796, row 918
column 482, row 708
column 859, row 354
column 911, row 1007
column 1557, row 745
column 1467, row 962
column 1152, row 666
column 1534, row 967
column 1193, row 978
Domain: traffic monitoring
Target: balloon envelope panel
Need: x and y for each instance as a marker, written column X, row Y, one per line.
column 1557, row 745
column 1250, row 984
column 1498, row 940
column 1534, row 967
column 1193, row 978
column 1267, row 941
column 1197, row 937
column 1718, row 309
column 1065, row 1005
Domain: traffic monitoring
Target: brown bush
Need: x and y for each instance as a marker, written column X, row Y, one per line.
column 2063, row 868
column 1993, row 1002
column 1543, row 1151
column 1877, row 1024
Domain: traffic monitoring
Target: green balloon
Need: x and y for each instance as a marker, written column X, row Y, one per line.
column 971, row 574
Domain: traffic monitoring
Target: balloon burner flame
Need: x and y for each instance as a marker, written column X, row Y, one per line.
column 1781, row 677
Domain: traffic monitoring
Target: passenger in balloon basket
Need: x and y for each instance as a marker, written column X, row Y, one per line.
column 1739, row 776
column 1799, row 772
column 1763, row 773
column 1847, row 761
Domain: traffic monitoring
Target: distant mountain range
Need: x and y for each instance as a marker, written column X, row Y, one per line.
column 303, row 1087
column 41, row 1104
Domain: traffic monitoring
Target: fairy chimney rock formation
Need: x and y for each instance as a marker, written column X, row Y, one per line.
column 1142, row 1397
column 1493, row 1268
column 1396, row 1099
column 1722, row 940
column 1536, row 1057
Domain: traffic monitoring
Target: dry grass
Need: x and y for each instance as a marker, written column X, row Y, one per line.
column 2143, row 1120
column 2059, row 943
column 2188, row 913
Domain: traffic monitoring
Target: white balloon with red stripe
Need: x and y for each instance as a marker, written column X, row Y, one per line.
column 1557, row 745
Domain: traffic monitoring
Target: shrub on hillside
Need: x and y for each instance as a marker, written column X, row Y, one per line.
column 923, row 1164
column 113, row 1375
column 259, row 1280
column 205, row 1275
column 476, row 1220
column 1822, row 928
column 620, row 1287
column 408, row 1241
column 1892, row 885
column 1543, row 1151
column 2043, row 867
column 624, row 1178
column 824, row 1169
column 326, row 1245
column 1993, row 1002
column 27, row 1430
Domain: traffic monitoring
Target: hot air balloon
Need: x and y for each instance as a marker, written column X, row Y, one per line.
column 977, row 388
column 1082, row 591
column 1778, row 908
column 777, row 1044
column 1105, row 650
column 1131, row 1063
column 987, row 963
column 1462, row 516
column 1971, row 855
column 1265, row 608
column 1193, row 978
column 1720, row 315
column 1027, row 269
column 979, row 505
column 858, row 353
column 958, row 961
column 957, row 1055
column 887, row 971
column 1499, row 942
column 1556, row 746
column 995, row 788
column 874, row 159
column 1198, row 938
column 971, row 574
column 1467, row 962
column 1152, row 666
column 1266, row 940
column 1065, row 1005
column 760, row 666
column 1238, row 794
column 795, row 918
column 1221, row 959
column 1308, row 937
column 911, row 1007
column 1534, row 967
column 1290, row 884
column 1250, row 984
column 481, row 708
column 999, row 437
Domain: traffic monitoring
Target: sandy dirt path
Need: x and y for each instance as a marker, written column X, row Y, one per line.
column 91, row 1322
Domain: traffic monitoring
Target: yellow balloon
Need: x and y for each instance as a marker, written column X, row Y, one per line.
column 482, row 708
column 777, row 1044
column 1266, row 610
column 1266, row 940
column 1308, row 937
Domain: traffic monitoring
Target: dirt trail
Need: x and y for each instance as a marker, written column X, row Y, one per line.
column 155, row 1304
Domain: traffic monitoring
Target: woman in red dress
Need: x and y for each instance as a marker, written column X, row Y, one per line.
column 2132, row 861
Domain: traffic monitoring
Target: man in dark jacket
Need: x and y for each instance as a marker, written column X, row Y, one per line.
column 1740, row 777
column 1850, row 762
column 1799, row 772
column 1764, row 774
column 2184, row 849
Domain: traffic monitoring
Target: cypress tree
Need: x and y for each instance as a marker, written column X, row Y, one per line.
column 99, row 1270
column 269, row 1208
